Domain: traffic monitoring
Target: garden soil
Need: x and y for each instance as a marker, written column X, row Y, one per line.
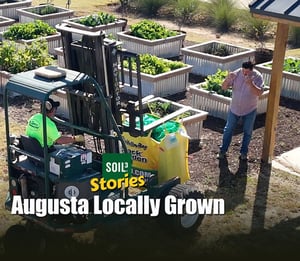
column 262, row 204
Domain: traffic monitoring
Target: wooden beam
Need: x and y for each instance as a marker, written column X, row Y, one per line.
column 276, row 19
column 274, row 94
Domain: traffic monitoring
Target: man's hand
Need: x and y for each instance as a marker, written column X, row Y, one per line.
column 249, row 80
column 79, row 138
column 231, row 76
column 228, row 80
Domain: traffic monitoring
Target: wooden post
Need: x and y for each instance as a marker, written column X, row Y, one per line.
column 274, row 94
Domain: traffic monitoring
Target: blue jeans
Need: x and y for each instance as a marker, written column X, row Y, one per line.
column 248, row 124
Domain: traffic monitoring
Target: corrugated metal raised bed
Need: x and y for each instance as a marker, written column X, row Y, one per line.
column 193, row 122
column 165, row 48
column 31, row 14
column 163, row 84
column 110, row 28
column 205, row 63
column 218, row 105
column 290, row 81
column 4, row 77
column 52, row 40
column 59, row 52
column 10, row 9
column 5, row 22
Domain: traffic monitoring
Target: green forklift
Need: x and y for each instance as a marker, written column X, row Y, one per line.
column 94, row 110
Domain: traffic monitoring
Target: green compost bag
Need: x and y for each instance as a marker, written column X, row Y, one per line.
column 153, row 154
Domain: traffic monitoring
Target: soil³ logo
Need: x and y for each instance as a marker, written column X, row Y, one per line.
column 116, row 173
column 116, row 166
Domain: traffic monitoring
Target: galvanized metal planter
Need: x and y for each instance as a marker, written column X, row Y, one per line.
column 52, row 40
column 5, row 22
column 165, row 48
column 193, row 123
column 218, row 105
column 110, row 29
column 59, row 52
column 4, row 77
column 163, row 85
column 27, row 15
column 206, row 64
column 290, row 81
column 10, row 9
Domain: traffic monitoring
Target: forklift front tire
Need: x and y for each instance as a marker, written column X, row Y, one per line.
column 183, row 223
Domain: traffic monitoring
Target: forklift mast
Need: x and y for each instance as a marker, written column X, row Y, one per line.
column 97, row 56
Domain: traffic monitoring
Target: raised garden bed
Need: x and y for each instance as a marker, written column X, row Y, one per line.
column 159, row 77
column 206, row 58
column 49, row 14
column 163, row 85
column 290, row 80
column 59, row 53
column 95, row 23
column 4, row 77
column 5, row 22
column 165, row 47
column 31, row 31
column 218, row 105
column 9, row 9
column 52, row 40
column 192, row 119
column 15, row 58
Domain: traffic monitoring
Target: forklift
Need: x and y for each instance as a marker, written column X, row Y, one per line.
column 91, row 89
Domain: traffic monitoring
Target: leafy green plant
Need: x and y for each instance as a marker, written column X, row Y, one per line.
column 291, row 65
column 151, row 30
column 44, row 10
column 153, row 65
column 159, row 108
column 213, row 83
column 28, row 31
column 218, row 50
column 16, row 58
column 100, row 18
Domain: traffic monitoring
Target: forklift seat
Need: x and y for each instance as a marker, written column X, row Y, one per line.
column 32, row 146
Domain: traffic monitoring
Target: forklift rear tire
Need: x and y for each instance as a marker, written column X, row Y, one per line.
column 15, row 241
column 183, row 223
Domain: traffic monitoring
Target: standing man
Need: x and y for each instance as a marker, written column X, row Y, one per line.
column 247, row 85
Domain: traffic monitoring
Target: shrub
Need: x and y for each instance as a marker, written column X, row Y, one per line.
column 294, row 37
column 16, row 58
column 224, row 14
column 255, row 28
column 184, row 10
column 150, row 7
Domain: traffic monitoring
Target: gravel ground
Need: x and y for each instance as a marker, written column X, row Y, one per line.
column 262, row 206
